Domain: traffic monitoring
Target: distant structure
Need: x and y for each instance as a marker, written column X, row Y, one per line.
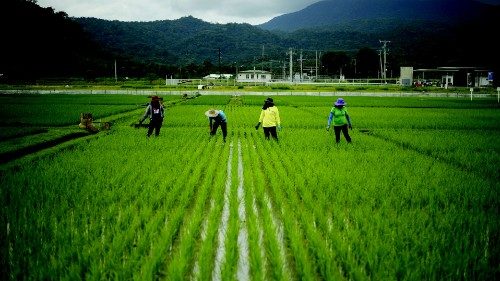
column 406, row 78
column 259, row 76
column 218, row 76
column 463, row 76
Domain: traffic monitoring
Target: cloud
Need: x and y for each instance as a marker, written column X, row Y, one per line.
column 222, row 11
column 215, row 11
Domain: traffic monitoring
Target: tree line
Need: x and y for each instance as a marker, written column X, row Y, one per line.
column 44, row 43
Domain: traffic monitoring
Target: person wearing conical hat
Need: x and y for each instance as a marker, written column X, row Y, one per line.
column 155, row 111
column 341, row 120
column 217, row 118
column 270, row 119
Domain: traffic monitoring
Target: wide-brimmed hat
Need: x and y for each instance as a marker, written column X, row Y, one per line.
column 340, row 101
column 211, row 113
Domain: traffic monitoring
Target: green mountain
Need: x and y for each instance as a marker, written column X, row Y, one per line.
column 334, row 13
column 187, row 41
column 43, row 43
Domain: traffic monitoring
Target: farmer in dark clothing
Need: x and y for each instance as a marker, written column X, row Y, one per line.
column 155, row 112
column 217, row 118
column 341, row 120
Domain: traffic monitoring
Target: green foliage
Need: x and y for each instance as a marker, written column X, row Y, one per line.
column 281, row 87
column 58, row 110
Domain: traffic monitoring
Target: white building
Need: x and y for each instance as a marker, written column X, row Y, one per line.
column 406, row 78
column 217, row 76
column 253, row 76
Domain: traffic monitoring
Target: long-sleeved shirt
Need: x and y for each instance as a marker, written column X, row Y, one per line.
column 220, row 118
column 270, row 117
column 340, row 116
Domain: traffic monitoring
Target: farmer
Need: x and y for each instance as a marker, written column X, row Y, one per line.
column 270, row 119
column 341, row 120
column 155, row 112
column 217, row 118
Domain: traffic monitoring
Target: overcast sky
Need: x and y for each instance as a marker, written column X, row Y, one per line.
column 214, row 11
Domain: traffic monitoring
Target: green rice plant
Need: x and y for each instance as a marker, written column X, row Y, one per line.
column 170, row 231
column 387, row 206
column 206, row 257
column 255, row 226
column 324, row 263
column 230, row 259
column 7, row 133
column 302, row 260
column 182, row 261
column 15, row 144
column 480, row 155
column 278, row 266
column 210, row 100
column 63, row 109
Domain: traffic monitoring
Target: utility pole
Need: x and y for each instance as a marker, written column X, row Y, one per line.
column 220, row 74
column 284, row 70
column 290, row 53
column 301, row 60
column 354, row 62
column 116, row 73
column 262, row 60
column 384, row 49
column 381, row 66
column 316, row 78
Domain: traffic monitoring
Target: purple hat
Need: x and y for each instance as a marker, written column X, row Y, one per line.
column 340, row 101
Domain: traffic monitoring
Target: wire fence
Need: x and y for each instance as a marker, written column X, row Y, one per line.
column 250, row 93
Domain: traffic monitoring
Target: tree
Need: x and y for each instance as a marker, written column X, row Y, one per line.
column 208, row 67
column 367, row 63
column 335, row 62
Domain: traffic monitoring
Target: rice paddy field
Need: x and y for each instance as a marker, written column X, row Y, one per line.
column 415, row 196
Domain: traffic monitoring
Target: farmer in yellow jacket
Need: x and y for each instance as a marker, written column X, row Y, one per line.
column 270, row 119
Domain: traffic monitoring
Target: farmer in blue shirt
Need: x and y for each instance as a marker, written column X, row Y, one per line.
column 217, row 118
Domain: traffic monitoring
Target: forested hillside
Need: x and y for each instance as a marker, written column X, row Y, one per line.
column 188, row 42
column 43, row 43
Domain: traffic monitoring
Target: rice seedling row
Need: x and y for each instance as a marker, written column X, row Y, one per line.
column 189, row 206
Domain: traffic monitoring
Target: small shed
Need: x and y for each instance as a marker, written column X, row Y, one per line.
column 406, row 78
